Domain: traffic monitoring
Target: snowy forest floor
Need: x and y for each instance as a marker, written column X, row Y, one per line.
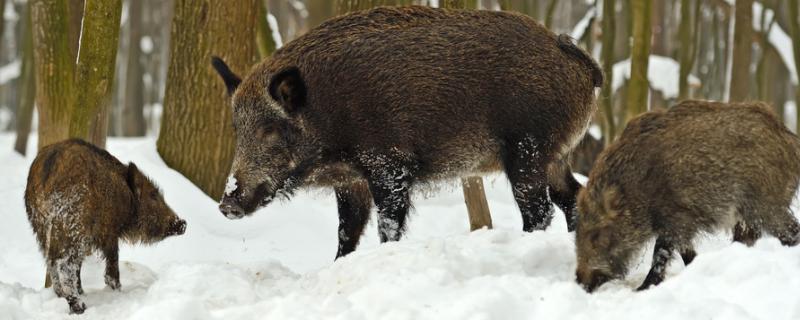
column 278, row 264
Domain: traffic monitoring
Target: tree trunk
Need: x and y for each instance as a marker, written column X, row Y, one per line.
column 794, row 17
column 133, row 124
column 607, row 55
column 638, row 86
column 264, row 40
column 196, row 136
column 551, row 9
column 27, row 87
column 95, row 70
column 54, row 69
column 742, row 46
column 687, row 34
column 75, row 14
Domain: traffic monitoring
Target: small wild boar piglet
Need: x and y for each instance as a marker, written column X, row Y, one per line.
column 699, row 167
column 80, row 199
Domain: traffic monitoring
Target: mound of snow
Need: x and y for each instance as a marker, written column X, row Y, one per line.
column 278, row 264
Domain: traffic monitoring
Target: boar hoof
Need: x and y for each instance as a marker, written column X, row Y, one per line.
column 113, row 284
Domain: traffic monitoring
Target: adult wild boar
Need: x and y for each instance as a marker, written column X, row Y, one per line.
column 378, row 101
column 81, row 199
column 698, row 168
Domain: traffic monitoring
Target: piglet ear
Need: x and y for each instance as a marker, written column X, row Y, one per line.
column 231, row 80
column 288, row 89
column 134, row 179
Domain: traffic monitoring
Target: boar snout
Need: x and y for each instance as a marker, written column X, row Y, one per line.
column 176, row 228
column 231, row 209
column 591, row 280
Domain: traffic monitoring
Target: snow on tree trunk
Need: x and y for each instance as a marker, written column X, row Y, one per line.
column 638, row 86
column 196, row 137
column 742, row 46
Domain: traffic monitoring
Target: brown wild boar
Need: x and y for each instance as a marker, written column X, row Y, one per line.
column 698, row 168
column 380, row 101
column 81, row 199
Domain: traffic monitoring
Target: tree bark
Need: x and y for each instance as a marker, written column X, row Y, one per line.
column 95, row 70
column 638, row 86
column 687, row 42
column 27, row 87
column 607, row 55
column 54, row 69
column 196, row 136
column 133, row 124
column 742, row 46
column 551, row 9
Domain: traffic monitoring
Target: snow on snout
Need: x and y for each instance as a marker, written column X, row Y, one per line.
column 230, row 185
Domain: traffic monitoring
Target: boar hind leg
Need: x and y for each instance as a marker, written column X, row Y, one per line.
column 524, row 169
column 354, row 202
column 688, row 255
column 65, row 282
column 662, row 253
column 112, row 266
column 563, row 190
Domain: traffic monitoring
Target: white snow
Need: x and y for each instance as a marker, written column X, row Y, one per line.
column 663, row 73
column 146, row 44
column 276, row 34
column 278, row 264
column 10, row 71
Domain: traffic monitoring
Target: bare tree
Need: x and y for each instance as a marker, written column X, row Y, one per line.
column 607, row 56
column 742, row 46
column 28, row 86
column 638, row 86
column 196, row 137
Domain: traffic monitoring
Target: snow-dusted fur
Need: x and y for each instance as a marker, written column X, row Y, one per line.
column 698, row 168
column 81, row 199
column 398, row 97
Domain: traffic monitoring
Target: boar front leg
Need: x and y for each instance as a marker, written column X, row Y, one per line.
column 390, row 182
column 662, row 253
column 354, row 202
column 112, row 266
column 525, row 170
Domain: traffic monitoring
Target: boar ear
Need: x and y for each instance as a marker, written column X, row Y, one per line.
column 288, row 89
column 133, row 177
column 231, row 80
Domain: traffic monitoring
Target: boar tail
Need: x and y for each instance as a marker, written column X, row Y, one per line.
column 565, row 44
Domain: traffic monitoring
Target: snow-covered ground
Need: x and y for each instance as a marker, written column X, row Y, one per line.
column 278, row 264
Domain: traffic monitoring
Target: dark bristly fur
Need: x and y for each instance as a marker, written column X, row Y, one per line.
column 385, row 99
column 700, row 167
column 81, row 199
